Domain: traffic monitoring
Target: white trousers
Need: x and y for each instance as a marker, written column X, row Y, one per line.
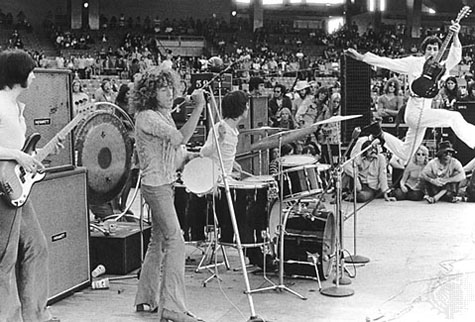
column 419, row 116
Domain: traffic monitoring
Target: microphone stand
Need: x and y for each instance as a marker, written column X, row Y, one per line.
column 355, row 259
column 231, row 210
column 337, row 291
column 282, row 219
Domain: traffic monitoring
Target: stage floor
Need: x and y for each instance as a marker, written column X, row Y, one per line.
column 422, row 268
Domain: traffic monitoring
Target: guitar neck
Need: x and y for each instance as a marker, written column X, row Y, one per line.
column 444, row 46
column 51, row 145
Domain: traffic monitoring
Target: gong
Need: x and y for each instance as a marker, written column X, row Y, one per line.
column 104, row 147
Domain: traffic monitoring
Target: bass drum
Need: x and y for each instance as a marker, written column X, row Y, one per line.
column 309, row 230
column 103, row 146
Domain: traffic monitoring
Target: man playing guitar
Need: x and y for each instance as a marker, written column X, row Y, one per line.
column 419, row 115
column 22, row 242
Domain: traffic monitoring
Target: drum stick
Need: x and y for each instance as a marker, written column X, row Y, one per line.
column 247, row 173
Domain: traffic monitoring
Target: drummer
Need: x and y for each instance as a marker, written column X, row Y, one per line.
column 235, row 108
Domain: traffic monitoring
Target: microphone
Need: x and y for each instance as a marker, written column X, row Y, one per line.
column 354, row 135
column 375, row 143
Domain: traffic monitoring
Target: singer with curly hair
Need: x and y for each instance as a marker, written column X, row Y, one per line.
column 160, row 150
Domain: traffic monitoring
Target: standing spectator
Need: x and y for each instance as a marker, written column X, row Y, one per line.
column 302, row 96
column 278, row 101
column 390, row 102
column 79, row 97
column 449, row 94
column 285, row 119
column 105, row 92
column 256, row 86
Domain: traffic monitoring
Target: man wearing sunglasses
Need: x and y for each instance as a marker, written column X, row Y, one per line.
column 278, row 101
column 372, row 177
column 443, row 175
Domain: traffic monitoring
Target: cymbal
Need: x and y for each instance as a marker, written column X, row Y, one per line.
column 272, row 141
column 262, row 130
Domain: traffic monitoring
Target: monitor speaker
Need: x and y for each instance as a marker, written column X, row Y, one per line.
column 60, row 201
column 48, row 109
column 355, row 95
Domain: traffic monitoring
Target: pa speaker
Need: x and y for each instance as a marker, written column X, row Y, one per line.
column 464, row 153
column 60, row 201
column 48, row 109
column 355, row 95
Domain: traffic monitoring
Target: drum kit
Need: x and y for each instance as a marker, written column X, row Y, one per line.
column 277, row 214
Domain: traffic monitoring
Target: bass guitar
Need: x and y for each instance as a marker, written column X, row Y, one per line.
column 427, row 84
column 15, row 181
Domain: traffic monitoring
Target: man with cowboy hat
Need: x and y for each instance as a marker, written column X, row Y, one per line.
column 442, row 175
column 302, row 98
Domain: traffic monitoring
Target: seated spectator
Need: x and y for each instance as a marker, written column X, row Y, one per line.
column 332, row 131
column 389, row 104
column 443, row 175
column 278, row 102
column 372, row 177
column 470, row 97
column 411, row 185
column 274, row 165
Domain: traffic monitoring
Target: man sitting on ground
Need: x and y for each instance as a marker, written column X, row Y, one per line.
column 372, row 179
column 443, row 175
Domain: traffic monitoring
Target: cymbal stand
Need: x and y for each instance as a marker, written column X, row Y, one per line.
column 231, row 210
column 281, row 286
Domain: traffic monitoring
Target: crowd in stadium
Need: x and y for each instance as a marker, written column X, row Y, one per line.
column 278, row 52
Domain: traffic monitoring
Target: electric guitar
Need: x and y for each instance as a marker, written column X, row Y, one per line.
column 15, row 181
column 427, row 84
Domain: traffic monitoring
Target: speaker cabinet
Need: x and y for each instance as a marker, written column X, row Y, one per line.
column 355, row 95
column 120, row 251
column 60, row 201
column 244, row 140
column 464, row 152
column 259, row 111
column 48, row 109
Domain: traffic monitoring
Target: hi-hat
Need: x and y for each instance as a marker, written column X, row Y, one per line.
column 262, row 130
column 272, row 141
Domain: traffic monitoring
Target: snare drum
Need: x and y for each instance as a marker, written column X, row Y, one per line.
column 250, row 201
column 300, row 182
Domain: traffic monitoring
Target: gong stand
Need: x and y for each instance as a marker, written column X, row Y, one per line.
column 142, row 202
column 231, row 207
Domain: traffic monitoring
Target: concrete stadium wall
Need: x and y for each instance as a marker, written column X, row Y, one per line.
column 36, row 10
